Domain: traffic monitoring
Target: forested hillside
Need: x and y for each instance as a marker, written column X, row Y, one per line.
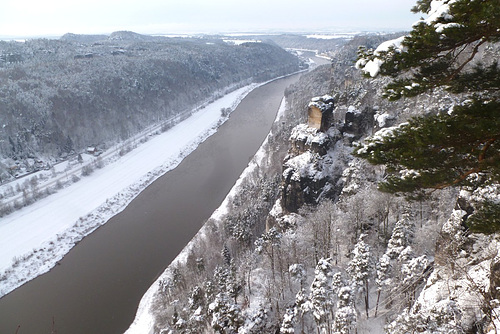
column 59, row 96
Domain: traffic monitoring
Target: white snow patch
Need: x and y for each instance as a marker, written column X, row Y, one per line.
column 308, row 135
column 387, row 45
column 353, row 110
column 333, row 36
column 276, row 210
column 373, row 66
column 302, row 166
column 440, row 9
column 441, row 27
column 382, row 118
column 240, row 41
column 379, row 137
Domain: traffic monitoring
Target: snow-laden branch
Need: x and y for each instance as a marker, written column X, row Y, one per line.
column 439, row 17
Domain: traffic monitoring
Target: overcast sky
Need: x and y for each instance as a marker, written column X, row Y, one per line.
column 56, row 17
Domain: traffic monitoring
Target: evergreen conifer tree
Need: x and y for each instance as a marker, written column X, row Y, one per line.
column 287, row 325
column 322, row 294
column 461, row 147
column 401, row 237
column 360, row 269
column 226, row 315
column 345, row 316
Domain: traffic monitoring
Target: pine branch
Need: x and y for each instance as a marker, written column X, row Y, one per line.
column 478, row 169
column 467, row 61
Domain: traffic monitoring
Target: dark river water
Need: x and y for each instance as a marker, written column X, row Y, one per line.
column 98, row 285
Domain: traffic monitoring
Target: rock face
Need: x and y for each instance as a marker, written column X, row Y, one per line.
column 302, row 175
column 313, row 166
column 309, row 170
column 320, row 112
column 303, row 180
column 357, row 123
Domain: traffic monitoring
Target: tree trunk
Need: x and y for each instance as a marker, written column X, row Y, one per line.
column 367, row 301
column 378, row 300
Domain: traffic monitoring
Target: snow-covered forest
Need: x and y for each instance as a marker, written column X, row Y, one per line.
column 372, row 206
column 59, row 97
column 306, row 243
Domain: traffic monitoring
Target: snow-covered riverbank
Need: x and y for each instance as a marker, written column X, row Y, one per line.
column 36, row 237
column 144, row 320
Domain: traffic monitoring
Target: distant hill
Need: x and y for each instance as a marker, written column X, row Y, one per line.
column 132, row 36
column 83, row 38
column 60, row 96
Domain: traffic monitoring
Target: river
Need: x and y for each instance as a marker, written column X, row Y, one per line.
column 97, row 286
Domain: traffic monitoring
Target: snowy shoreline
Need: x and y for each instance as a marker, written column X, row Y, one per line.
column 144, row 320
column 36, row 237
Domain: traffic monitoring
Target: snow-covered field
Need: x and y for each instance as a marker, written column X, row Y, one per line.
column 36, row 237
column 144, row 320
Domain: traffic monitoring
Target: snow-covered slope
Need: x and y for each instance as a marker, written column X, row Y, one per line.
column 353, row 259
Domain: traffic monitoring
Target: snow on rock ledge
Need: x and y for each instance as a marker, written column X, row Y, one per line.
column 305, row 138
column 309, row 170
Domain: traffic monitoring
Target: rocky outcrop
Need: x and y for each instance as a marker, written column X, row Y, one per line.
column 357, row 123
column 303, row 181
column 312, row 168
column 305, row 138
column 320, row 112
column 314, row 164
